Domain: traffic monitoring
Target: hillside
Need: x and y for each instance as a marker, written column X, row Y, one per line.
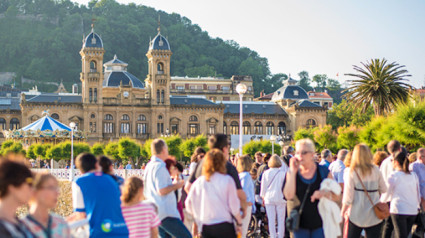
column 40, row 40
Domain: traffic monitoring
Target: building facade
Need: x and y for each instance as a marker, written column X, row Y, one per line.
column 114, row 103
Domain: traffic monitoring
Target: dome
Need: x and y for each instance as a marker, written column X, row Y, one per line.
column 124, row 78
column 115, row 62
column 159, row 43
column 293, row 92
column 93, row 40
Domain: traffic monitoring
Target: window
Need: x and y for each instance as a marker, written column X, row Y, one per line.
column 125, row 127
column 92, row 126
column 92, row 116
column 160, row 68
column 174, row 129
column 93, row 67
column 193, row 129
column 281, row 127
column 141, row 117
column 108, row 127
column 270, row 128
column 95, row 95
column 246, row 128
column 224, row 128
column 211, row 130
column 158, row 96
column 142, row 128
column 326, row 104
column 258, row 128
column 2, row 123
column 295, row 92
column 14, row 124
column 125, row 117
column 226, row 98
column 55, row 116
column 193, row 118
column 311, row 123
column 160, row 117
column 90, row 95
column 225, row 88
column 234, row 128
column 160, row 128
column 162, row 96
column 109, row 117
column 212, row 88
column 318, row 103
column 180, row 88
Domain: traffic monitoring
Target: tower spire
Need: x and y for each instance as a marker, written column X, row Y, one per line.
column 92, row 24
column 159, row 24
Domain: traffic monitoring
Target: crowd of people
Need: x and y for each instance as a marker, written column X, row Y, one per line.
column 303, row 194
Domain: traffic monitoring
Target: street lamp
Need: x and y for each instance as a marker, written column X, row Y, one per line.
column 272, row 139
column 72, row 125
column 241, row 90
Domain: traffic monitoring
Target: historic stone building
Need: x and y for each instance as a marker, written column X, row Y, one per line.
column 114, row 103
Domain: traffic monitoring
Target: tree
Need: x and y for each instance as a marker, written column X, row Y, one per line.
column 97, row 149
column 30, row 152
column 305, row 81
column 13, row 147
column 173, row 143
column 264, row 146
column 189, row 145
column 325, row 138
column 111, row 150
column 54, row 152
column 128, row 150
column 320, row 80
column 379, row 84
column 81, row 147
column 304, row 133
column 348, row 137
column 345, row 114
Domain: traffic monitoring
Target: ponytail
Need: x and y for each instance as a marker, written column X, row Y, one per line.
column 402, row 160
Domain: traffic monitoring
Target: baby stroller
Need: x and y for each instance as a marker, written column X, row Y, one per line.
column 258, row 226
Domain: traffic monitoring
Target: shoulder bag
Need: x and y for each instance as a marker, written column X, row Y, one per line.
column 293, row 220
column 381, row 209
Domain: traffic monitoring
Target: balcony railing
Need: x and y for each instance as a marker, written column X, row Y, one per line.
column 142, row 136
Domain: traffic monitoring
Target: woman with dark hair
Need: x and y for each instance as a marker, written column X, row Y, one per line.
column 15, row 190
column 175, row 169
column 196, row 157
column 403, row 191
column 108, row 168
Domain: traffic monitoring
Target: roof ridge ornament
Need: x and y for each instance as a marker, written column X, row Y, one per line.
column 159, row 24
column 45, row 113
column 115, row 56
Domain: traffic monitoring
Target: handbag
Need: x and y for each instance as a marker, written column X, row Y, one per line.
column 382, row 211
column 293, row 220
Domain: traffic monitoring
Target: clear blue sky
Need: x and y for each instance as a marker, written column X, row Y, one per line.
column 319, row 36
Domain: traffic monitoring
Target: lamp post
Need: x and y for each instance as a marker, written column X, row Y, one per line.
column 241, row 90
column 72, row 125
column 272, row 139
column 281, row 143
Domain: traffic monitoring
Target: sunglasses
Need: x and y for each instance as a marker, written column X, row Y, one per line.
column 303, row 152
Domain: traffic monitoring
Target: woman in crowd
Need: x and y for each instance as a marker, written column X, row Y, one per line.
column 141, row 218
column 40, row 221
column 303, row 183
column 175, row 174
column 196, row 157
column 403, row 191
column 15, row 190
column 243, row 167
column 378, row 157
column 412, row 157
column 213, row 199
column 108, row 168
column 362, row 215
column 272, row 195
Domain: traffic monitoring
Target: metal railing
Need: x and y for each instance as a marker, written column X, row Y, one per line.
column 63, row 174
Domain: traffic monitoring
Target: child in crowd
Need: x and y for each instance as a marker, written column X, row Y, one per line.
column 141, row 218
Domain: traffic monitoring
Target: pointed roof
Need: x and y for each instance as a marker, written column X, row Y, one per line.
column 46, row 123
column 93, row 40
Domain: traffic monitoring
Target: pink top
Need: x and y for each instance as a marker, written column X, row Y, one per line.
column 140, row 219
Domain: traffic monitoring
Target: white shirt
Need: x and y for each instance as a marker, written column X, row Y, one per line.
column 386, row 169
column 403, row 191
column 337, row 169
column 271, row 185
column 212, row 202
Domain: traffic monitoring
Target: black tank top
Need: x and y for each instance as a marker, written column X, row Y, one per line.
column 310, row 217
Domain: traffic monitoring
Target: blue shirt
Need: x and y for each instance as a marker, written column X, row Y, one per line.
column 248, row 188
column 156, row 177
column 128, row 166
column 98, row 195
column 337, row 169
column 419, row 168
column 325, row 163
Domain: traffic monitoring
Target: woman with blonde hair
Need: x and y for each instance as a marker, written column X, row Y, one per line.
column 140, row 217
column 362, row 172
column 244, row 165
column 213, row 200
column 40, row 221
column 272, row 195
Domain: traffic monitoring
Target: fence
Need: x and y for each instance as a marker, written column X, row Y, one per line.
column 63, row 174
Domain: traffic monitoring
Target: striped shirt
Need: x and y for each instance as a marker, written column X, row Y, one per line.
column 140, row 219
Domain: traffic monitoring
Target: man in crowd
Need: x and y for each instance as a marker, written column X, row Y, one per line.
column 97, row 196
column 258, row 159
column 128, row 166
column 337, row 167
column 387, row 169
column 289, row 152
column 419, row 168
column 159, row 189
column 326, row 158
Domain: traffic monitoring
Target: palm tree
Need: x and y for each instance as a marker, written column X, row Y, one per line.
column 379, row 84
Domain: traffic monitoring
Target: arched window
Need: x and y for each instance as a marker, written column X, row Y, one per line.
column 162, row 96
column 141, row 117
column 125, row 117
column 160, row 68
column 2, row 123
column 193, row 118
column 14, row 124
column 224, row 128
column 234, row 128
column 270, row 128
column 160, row 117
column 55, row 116
column 95, row 95
column 109, row 117
column 92, row 116
column 93, row 67
column 158, row 96
column 246, row 128
column 281, row 127
column 311, row 123
column 258, row 128
column 90, row 94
